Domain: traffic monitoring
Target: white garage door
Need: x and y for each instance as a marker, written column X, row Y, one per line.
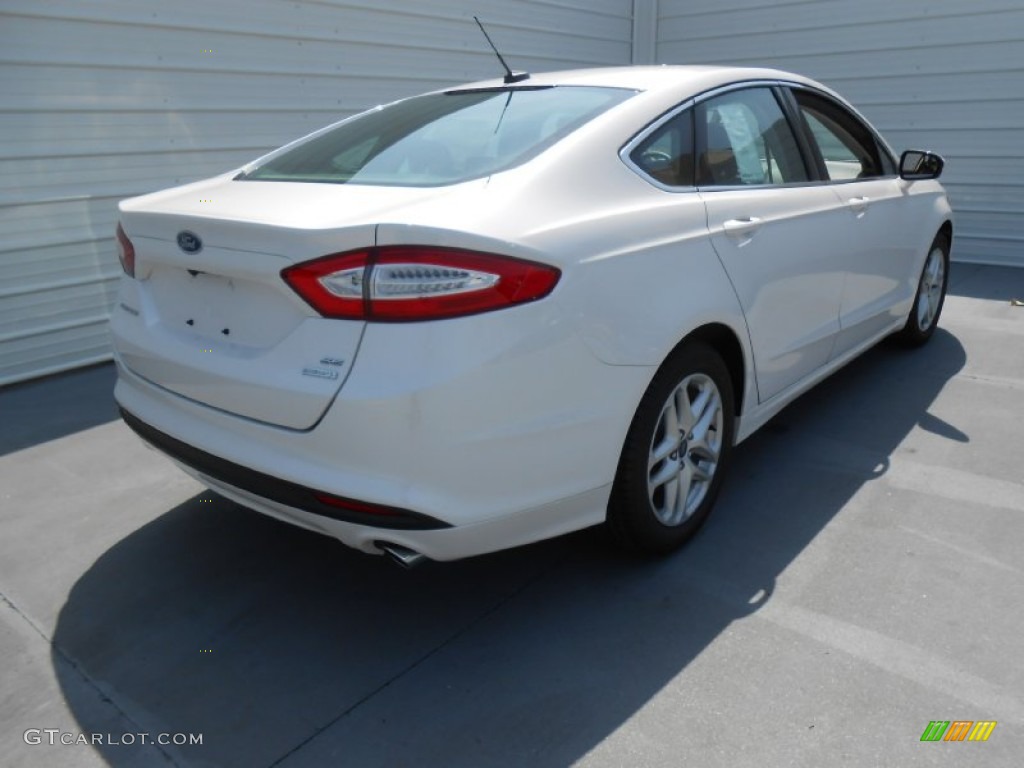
column 933, row 74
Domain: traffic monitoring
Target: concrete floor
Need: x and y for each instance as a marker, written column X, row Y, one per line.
column 861, row 576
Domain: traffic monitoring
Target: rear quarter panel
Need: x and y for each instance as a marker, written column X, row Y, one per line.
column 638, row 269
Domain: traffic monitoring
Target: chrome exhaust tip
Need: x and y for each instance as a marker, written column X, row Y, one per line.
column 403, row 556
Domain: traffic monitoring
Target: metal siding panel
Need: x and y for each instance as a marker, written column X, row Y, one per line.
column 936, row 74
column 44, row 179
column 63, row 307
column 112, row 98
column 57, row 350
column 41, row 269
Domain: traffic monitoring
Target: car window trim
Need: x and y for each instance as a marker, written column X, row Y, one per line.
column 787, row 101
column 772, row 86
column 645, row 133
column 658, row 122
column 664, row 117
column 809, row 136
column 809, row 148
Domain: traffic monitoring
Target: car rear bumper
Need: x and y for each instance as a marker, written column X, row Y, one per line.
column 272, row 489
column 435, row 539
column 516, row 440
column 449, row 543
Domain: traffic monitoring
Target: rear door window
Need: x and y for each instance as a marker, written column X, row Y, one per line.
column 744, row 139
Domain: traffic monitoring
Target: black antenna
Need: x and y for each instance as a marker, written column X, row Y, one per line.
column 510, row 76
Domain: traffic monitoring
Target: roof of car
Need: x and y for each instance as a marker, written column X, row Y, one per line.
column 650, row 78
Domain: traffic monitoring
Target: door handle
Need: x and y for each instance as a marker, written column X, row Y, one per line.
column 740, row 227
column 859, row 204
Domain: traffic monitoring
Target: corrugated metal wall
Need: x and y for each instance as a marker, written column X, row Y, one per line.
column 105, row 99
column 946, row 75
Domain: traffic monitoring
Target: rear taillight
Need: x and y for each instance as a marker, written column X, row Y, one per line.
column 408, row 283
column 125, row 252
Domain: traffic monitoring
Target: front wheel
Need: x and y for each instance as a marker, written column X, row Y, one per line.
column 675, row 453
column 931, row 295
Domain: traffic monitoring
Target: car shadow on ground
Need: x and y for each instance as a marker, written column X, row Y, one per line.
column 284, row 648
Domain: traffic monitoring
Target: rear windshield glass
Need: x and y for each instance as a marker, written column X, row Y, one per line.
column 441, row 138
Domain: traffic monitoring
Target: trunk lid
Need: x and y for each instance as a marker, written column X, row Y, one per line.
column 219, row 325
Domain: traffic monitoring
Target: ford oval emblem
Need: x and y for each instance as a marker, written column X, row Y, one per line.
column 189, row 242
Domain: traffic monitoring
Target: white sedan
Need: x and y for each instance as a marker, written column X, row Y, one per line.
column 489, row 315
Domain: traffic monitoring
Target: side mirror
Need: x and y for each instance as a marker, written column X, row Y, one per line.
column 916, row 164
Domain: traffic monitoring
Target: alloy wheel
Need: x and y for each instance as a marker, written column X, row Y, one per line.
column 685, row 449
column 929, row 295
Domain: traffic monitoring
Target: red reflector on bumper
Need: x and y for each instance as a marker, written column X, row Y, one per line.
column 356, row 506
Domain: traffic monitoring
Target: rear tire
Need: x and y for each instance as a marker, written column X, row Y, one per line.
column 930, row 297
column 675, row 454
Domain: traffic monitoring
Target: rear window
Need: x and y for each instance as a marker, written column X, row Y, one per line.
column 441, row 138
